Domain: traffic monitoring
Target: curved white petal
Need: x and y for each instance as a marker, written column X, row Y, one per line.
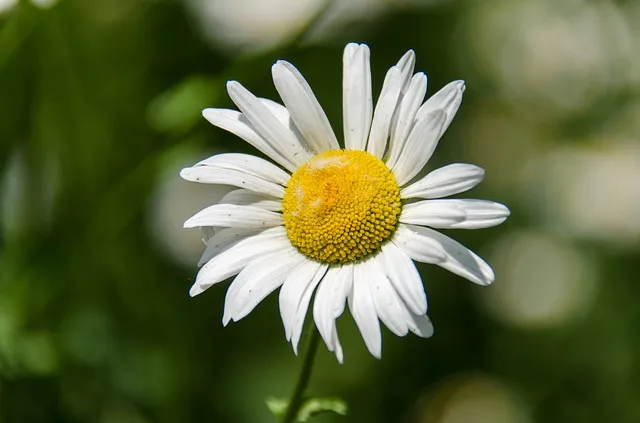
column 293, row 290
column 301, row 313
column 243, row 197
column 236, row 123
column 405, row 277
column 363, row 308
column 445, row 181
column 357, row 101
column 338, row 346
column 417, row 246
column 406, row 65
column 234, row 259
column 248, row 164
column 224, row 239
column 390, row 308
column 303, row 106
column 257, row 280
column 207, row 232
column 433, row 213
column 419, row 147
column 210, row 175
column 283, row 115
column 267, row 124
column 383, row 113
column 406, row 114
column 421, row 325
column 428, row 246
column 329, row 303
column 447, row 99
column 230, row 215
column 455, row 213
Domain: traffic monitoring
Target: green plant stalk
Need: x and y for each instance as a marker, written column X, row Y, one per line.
column 297, row 398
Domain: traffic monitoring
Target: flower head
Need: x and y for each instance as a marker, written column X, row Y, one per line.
column 343, row 223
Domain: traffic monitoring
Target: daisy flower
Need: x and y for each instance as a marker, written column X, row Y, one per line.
column 346, row 223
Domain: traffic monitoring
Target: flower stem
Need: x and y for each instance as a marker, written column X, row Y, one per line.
column 297, row 398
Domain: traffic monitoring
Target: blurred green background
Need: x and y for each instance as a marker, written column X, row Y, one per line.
column 100, row 107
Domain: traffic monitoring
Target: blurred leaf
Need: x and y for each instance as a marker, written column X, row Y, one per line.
column 310, row 407
column 178, row 109
column 38, row 353
column 314, row 406
column 277, row 406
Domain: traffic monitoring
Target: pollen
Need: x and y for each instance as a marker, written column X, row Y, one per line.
column 341, row 206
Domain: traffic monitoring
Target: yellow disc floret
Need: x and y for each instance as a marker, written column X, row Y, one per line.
column 341, row 206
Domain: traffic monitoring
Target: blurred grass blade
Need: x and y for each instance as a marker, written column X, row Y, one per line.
column 179, row 108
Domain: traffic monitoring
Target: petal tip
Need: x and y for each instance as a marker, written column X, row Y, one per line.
column 206, row 113
column 196, row 289
column 233, row 86
column 184, row 173
column 189, row 223
column 225, row 320
column 279, row 64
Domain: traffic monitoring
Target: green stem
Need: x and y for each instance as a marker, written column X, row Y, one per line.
column 297, row 398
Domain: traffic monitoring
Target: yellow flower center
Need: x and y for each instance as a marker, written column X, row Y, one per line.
column 341, row 206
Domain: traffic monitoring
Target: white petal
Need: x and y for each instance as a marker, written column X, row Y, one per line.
column 267, row 125
column 293, row 290
column 448, row 180
column 230, row 215
column 209, row 175
column 224, row 239
column 207, row 232
column 234, row 259
column 417, row 246
column 259, row 279
column 421, row 326
column 236, row 123
column 248, row 164
column 405, row 277
column 406, row 65
column 301, row 313
column 357, row 102
column 447, row 99
column 338, row 346
column 363, row 308
column 283, row 115
column 406, row 114
column 242, row 197
column 330, row 301
column 433, row 213
column 389, row 307
column 305, row 110
column 341, row 289
column 385, row 107
column 428, row 246
column 419, row 147
column 455, row 213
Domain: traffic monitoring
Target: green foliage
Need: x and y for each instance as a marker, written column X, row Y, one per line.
column 314, row 406
column 277, row 406
column 99, row 99
column 178, row 109
column 310, row 407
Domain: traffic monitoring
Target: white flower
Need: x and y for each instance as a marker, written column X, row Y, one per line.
column 343, row 223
